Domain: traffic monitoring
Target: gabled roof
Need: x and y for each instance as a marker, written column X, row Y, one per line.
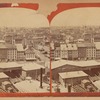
column 29, row 50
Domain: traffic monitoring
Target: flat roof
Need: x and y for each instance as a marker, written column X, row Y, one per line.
column 31, row 66
column 29, row 87
column 74, row 74
column 88, row 63
column 9, row 65
column 2, row 75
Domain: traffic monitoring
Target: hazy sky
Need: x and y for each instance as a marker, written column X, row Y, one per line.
column 22, row 17
column 47, row 6
column 77, row 17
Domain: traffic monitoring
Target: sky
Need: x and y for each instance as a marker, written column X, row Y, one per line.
column 77, row 17
column 47, row 6
column 22, row 17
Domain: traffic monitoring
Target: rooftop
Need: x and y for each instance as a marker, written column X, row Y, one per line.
column 85, row 44
column 29, row 87
column 29, row 50
column 68, row 46
column 2, row 75
column 73, row 74
column 31, row 66
column 89, row 63
column 19, row 47
column 9, row 65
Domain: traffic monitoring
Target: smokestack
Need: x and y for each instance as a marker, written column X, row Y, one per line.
column 41, row 71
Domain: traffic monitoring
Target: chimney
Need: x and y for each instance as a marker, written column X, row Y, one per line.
column 41, row 71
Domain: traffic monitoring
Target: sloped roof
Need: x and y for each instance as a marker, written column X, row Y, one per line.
column 31, row 66
column 60, row 63
column 9, row 65
column 29, row 50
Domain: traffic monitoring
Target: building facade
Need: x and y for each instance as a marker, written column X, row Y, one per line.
column 11, row 52
column 30, row 54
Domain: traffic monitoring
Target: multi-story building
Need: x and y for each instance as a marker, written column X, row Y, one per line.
column 11, row 52
column 64, row 51
column 52, row 50
column 72, row 51
column 29, row 54
column 90, row 51
column 97, row 45
column 57, row 54
column 81, row 51
column 86, row 51
column 20, row 52
column 3, row 52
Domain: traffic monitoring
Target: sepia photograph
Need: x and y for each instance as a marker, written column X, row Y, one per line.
column 24, row 51
column 75, row 50
column 51, row 51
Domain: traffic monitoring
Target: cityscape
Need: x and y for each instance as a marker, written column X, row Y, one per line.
column 24, row 60
column 26, row 53
column 75, row 58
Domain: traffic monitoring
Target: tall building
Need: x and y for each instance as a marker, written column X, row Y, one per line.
column 20, row 52
column 64, row 50
column 3, row 52
column 81, row 51
column 57, row 51
column 97, row 45
column 90, row 51
column 86, row 51
column 72, row 51
column 11, row 52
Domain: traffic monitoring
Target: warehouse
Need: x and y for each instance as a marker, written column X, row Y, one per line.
column 72, row 78
column 89, row 67
column 12, row 69
column 31, row 70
